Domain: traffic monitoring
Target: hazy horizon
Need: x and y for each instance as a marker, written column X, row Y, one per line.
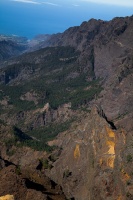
column 32, row 17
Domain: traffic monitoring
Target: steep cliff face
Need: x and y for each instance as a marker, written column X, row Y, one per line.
column 94, row 161
column 106, row 49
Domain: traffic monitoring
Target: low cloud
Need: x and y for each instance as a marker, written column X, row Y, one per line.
column 27, row 1
column 51, row 4
column 36, row 2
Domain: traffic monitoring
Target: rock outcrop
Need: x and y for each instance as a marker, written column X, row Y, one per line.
column 27, row 185
column 93, row 163
column 7, row 197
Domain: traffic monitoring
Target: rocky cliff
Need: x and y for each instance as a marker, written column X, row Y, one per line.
column 94, row 163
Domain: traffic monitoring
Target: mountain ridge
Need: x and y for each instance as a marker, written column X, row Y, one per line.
column 71, row 101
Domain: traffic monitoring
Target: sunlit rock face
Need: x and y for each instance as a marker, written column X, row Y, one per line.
column 7, row 197
column 91, row 165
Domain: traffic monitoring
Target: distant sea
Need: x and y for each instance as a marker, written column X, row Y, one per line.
column 28, row 20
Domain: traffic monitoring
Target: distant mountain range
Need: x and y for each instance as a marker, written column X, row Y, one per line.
column 13, row 45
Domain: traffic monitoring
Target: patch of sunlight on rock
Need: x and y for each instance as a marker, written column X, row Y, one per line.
column 119, row 197
column 110, row 161
column 77, row 151
column 125, row 176
column 7, row 197
column 110, row 132
column 111, row 146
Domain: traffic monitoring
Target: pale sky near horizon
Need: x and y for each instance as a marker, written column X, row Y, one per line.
column 31, row 17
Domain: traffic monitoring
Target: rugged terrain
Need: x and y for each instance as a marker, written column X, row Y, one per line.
column 66, row 115
column 11, row 46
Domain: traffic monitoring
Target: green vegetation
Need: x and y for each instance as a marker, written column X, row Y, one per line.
column 18, row 170
column 73, row 91
column 53, row 158
column 56, row 83
column 45, row 164
column 67, row 173
column 129, row 195
column 56, row 77
column 49, row 132
column 129, row 158
column 14, row 93
column 39, row 146
column 36, row 139
column 1, row 95
column 2, row 122
column 10, row 152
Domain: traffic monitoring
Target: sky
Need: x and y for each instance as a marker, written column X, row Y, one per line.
column 32, row 17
